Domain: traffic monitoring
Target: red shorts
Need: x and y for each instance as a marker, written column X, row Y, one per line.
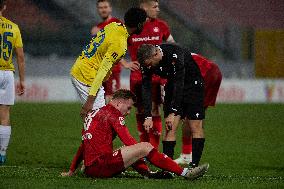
column 136, row 88
column 113, row 82
column 106, row 165
column 212, row 81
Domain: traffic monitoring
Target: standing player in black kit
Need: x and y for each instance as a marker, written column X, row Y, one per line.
column 184, row 92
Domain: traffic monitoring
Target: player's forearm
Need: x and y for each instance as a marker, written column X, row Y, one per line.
column 147, row 96
column 178, row 88
column 124, row 135
column 124, row 63
column 127, row 139
column 77, row 159
column 21, row 63
column 101, row 74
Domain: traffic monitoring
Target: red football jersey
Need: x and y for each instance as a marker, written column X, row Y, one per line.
column 106, row 22
column 203, row 63
column 154, row 32
column 100, row 129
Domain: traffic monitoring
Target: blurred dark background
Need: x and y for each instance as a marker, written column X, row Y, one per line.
column 245, row 37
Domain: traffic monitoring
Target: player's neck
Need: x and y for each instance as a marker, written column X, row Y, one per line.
column 151, row 19
column 130, row 31
column 107, row 18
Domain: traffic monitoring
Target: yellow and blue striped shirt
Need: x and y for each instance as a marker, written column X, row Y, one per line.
column 10, row 38
column 105, row 49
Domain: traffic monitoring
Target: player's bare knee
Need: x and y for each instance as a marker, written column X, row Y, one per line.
column 147, row 147
column 197, row 131
column 5, row 120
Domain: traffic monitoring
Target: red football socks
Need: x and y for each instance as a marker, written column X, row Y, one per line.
column 186, row 144
column 164, row 162
column 156, row 131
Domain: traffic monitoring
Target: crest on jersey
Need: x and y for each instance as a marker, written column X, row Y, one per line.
column 121, row 120
column 156, row 29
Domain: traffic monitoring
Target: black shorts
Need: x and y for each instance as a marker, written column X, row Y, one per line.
column 193, row 100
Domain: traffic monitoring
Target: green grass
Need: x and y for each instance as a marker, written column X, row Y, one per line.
column 244, row 146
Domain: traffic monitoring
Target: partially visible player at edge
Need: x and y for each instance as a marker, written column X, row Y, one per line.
column 96, row 61
column 212, row 80
column 11, row 41
column 101, row 161
column 104, row 9
column 155, row 31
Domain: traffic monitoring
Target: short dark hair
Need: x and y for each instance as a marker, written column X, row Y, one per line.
column 148, row 1
column 100, row 1
column 145, row 52
column 2, row 3
column 134, row 16
column 124, row 94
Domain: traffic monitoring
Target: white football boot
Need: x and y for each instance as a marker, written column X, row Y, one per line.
column 184, row 159
column 196, row 172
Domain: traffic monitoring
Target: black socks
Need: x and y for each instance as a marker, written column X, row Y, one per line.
column 197, row 149
column 169, row 148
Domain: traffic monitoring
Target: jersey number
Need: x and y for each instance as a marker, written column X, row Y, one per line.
column 88, row 119
column 5, row 44
column 96, row 41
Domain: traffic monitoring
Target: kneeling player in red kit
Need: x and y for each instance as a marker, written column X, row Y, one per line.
column 101, row 161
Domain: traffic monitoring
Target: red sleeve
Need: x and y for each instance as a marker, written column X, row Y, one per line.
column 77, row 159
column 122, row 131
column 166, row 30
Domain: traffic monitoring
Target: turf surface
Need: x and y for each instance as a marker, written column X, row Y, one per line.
column 244, row 147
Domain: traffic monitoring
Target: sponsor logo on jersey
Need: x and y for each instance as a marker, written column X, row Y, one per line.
column 139, row 39
column 114, row 55
column 156, row 29
column 87, row 136
column 121, row 120
column 6, row 26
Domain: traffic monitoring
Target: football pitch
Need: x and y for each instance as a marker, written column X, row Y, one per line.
column 244, row 146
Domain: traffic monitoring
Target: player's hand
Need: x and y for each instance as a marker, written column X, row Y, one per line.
column 87, row 107
column 67, row 174
column 148, row 124
column 133, row 66
column 20, row 88
column 170, row 121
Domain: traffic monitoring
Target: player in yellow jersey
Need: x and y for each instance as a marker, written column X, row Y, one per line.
column 105, row 49
column 10, row 42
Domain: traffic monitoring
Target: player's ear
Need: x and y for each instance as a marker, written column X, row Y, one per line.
column 147, row 62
